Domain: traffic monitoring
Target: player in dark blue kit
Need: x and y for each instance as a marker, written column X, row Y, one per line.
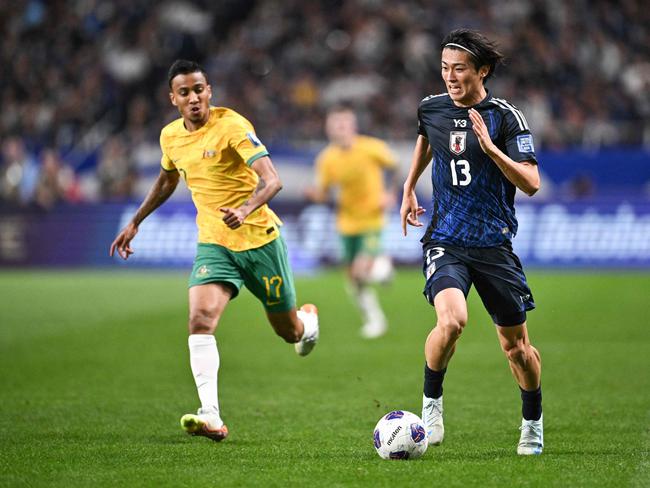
column 481, row 150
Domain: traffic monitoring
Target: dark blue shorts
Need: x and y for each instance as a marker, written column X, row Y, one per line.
column 496, row 272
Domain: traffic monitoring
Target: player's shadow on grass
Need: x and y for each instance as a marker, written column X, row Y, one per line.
column 454, row 455
column 443, row 454
column 184, row 439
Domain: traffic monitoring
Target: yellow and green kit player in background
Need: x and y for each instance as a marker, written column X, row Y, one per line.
column 356, row 165
column 231, row 177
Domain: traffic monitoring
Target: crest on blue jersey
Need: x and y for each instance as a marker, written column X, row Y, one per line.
column 253, row 138
column 457, row 141
column 525, row 143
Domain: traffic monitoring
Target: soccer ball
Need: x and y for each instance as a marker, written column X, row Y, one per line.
column 400, row 435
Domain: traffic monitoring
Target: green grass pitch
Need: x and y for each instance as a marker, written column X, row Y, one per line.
column 94, row 376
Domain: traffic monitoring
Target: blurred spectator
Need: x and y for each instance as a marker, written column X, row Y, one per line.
column 581, row 186
column 117, row 175
column 19, row 172
column 56, row 182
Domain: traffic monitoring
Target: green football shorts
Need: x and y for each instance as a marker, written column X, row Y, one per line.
column 366, row 243
column 265, row 271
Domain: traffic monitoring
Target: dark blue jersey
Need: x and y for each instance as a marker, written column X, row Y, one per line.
column 473, row 202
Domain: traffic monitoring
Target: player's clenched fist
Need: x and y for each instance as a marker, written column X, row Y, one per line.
column 233, row 217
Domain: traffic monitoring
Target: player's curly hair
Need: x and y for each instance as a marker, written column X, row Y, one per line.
column 184, row 67
column 483, row 52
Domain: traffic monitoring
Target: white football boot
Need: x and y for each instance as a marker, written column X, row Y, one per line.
column 432, row 418
column 373, row 330
column 382, row 270
column 206, row 423
column 531, row 441
column 308, row 314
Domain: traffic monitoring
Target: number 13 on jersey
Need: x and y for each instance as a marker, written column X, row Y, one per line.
column 460, row 169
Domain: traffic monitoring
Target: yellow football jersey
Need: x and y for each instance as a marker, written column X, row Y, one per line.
column 215, row 163
column 358, row 173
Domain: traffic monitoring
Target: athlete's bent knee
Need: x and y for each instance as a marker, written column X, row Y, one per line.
column 451, row 326
column 516, row 353
column 202, row 321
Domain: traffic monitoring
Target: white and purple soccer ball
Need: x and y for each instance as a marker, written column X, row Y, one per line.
column 400, row 435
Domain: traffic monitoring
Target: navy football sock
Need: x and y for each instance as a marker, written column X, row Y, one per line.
column 433, row 382
column 531, row 403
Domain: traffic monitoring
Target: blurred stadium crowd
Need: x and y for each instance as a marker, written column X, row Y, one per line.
column 84, row 81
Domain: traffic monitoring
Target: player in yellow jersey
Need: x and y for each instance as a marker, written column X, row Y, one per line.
column 231, row 178
column 356, row 164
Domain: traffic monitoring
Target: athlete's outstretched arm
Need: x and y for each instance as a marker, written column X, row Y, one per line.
column 410, row 210
column 267, row 188
column 319, row 192
column 391, row 176
column 523, row 175
column 161, row 190
column 316, row 194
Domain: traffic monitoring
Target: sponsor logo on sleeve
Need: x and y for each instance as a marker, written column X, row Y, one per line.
column 525, row 143
column 253, row 138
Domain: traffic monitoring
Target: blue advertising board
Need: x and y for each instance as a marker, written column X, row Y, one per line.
column 598, row 234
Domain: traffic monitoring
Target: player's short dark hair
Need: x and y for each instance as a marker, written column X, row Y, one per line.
column 184, row 67
column 340, row 107
column 482, row 51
